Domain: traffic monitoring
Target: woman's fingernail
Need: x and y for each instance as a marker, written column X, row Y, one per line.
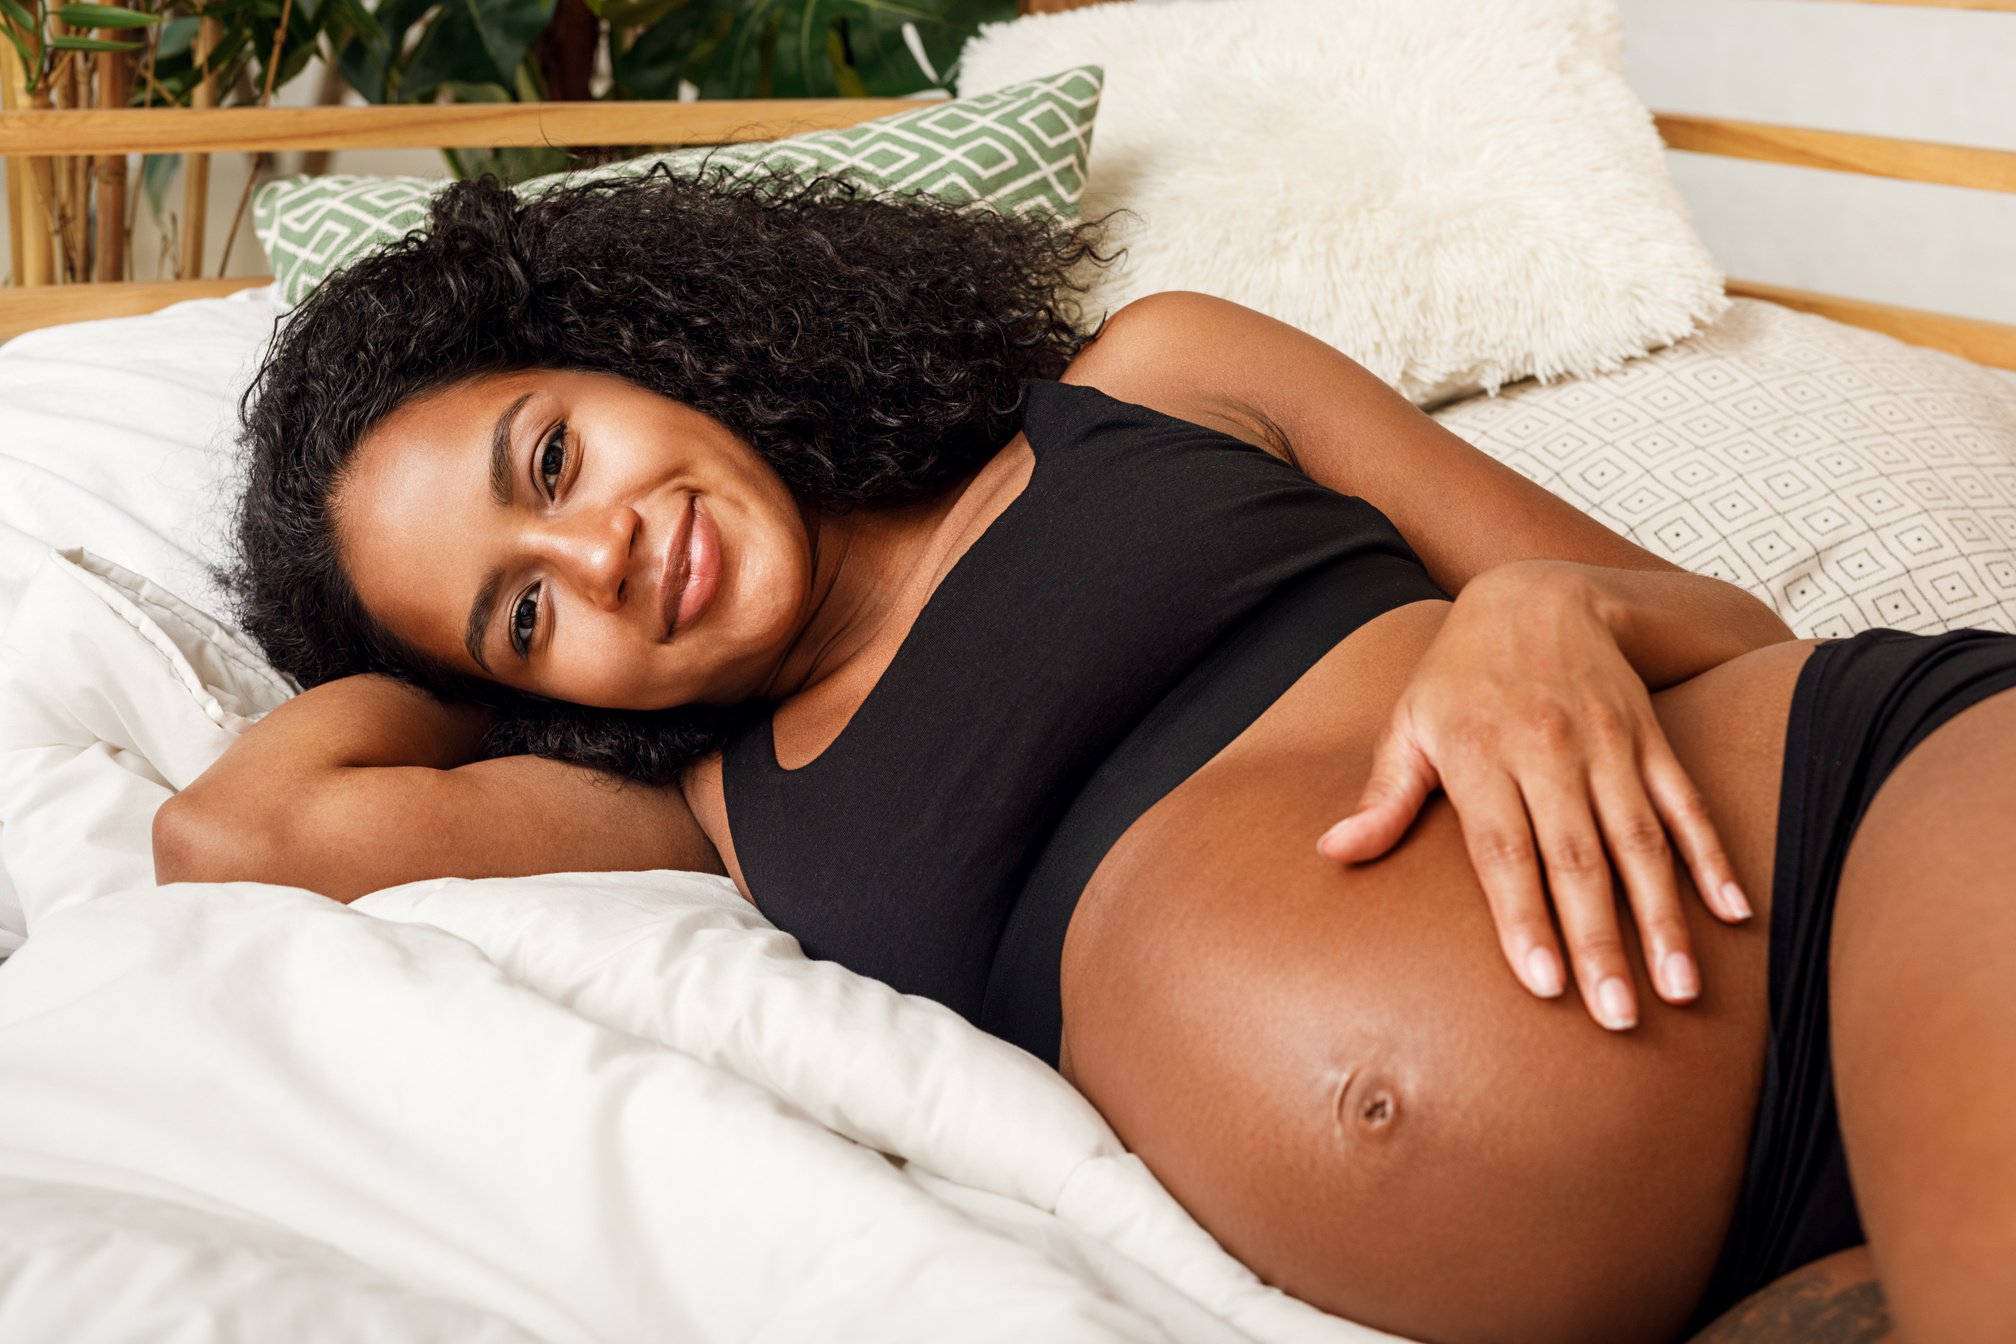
column 1334, row 836
column 1543, row 972
column 1732, row 896
column 1613, row 1001
column 1682, row 980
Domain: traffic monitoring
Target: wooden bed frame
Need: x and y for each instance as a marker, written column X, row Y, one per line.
column 27, row 137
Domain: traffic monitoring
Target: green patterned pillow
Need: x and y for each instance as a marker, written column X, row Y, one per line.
column 1016, row 148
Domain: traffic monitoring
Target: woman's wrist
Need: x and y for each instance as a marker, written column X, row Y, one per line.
column 1669, row 624
column 1533, row 590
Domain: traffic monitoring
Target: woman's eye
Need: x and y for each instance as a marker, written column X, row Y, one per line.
column 552, row 459
column 525, row 620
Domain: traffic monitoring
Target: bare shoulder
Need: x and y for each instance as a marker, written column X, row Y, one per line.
column 1157, row 351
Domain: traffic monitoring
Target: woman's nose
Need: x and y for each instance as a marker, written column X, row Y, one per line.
column 595, row 550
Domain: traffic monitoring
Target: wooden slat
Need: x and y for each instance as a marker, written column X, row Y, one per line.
column 1841, row 151
column 174, row 130
column 2000, row 6
column 47, row 305
column 1983, row 342
column 115, row 86
column 30, row 209
column 12, row 83
column 196, row 167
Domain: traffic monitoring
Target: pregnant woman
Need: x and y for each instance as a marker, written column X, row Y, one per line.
column 780, row 532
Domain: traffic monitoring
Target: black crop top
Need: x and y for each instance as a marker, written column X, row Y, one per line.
column 1139, row 543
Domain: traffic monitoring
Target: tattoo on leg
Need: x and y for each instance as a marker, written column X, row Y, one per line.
column 1806, row 1307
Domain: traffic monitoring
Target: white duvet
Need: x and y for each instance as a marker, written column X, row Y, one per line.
column 471, row 1101
column 579, row 1107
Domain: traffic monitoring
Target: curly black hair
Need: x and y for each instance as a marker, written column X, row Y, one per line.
column 873, row 348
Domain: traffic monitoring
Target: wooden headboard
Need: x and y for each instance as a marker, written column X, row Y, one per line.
column 32, row 140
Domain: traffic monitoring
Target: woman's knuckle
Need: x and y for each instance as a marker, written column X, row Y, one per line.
column 1713, row 860
column 1575, row 856
column 1641, row 835
column 1500, row 850
column 1524, row 929
column 1476, row 741
column 1607, row 727
column 1666, row 931
column 1687, row 804
column 1550, row 728
column 1596, row 948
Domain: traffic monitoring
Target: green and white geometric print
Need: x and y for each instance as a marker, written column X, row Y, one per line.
column 1018, row 148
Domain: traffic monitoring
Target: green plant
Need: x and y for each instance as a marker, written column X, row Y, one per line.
column 528, row 50
column 160, row 53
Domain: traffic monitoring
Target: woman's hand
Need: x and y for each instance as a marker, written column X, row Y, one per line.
column 1527, row 713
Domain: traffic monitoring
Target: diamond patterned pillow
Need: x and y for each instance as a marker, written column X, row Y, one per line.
column 1019, row 148
column 1844, row 477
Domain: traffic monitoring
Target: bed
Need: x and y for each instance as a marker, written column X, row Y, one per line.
column 622, row 1106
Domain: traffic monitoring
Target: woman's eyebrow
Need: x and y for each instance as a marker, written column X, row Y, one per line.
column 479, row 616
column 500, row 453
column 478, row 627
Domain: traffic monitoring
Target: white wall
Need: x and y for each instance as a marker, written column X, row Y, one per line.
column 1899, row 70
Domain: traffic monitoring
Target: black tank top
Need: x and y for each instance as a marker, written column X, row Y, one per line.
column 1152, row 589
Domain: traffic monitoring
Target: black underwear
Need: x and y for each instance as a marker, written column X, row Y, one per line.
column 1860, row 706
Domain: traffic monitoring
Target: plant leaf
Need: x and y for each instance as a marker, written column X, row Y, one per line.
column 22, row 21
column 176, row 35
column 156, row 172
column 69, row 43
column 882, row 56
column 652, row 65
column 373, row 62
column 474, row 42
column 105, row 16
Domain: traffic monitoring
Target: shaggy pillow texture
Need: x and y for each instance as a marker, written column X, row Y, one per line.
column 1456, row 193
column 1846, row 478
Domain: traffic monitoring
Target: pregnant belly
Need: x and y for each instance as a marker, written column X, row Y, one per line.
column 1336, row 1072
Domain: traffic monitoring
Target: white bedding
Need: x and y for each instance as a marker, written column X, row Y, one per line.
column 580, row 1107
column 609, row 1107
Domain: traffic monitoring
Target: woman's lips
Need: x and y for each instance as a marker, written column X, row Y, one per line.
column 699, row 571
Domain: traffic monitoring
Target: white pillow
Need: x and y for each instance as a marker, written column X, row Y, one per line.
column 113, row 694
column 1846, row 478
column 1456, row 193
column 114, row 435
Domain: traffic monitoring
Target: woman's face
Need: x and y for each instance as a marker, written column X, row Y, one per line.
column 534, row 528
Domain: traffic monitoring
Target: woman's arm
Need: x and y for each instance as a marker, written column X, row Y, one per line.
column 1669, row 624
column 367, row 782
column 1302, row 399
column 1531, row 708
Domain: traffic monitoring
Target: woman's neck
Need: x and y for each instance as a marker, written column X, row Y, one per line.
column 870, row 567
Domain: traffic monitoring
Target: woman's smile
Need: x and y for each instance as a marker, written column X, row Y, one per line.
column 579, row 536
column 584, row 538
column 699, row 571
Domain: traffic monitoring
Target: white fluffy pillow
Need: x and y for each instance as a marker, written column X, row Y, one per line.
column 1456, row 193
column 1846, row 478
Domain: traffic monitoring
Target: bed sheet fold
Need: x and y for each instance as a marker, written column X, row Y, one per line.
column 386, row 1091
